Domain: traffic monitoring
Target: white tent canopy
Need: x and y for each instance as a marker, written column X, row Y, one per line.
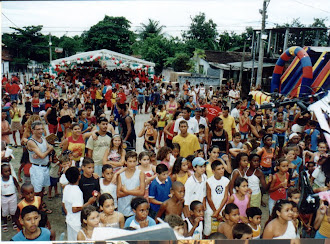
column 108, row 59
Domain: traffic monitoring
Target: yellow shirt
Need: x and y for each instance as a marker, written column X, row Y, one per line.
column 325, row 227
column 161, row 116
column 188, row 144
column 228, row 125
column 98, row 94
column 209, row 171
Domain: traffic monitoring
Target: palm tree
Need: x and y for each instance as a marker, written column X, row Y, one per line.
column 152, row 28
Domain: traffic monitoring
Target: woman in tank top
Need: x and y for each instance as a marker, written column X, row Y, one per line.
column 218, row 136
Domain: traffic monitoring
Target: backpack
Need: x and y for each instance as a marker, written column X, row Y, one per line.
column 308, row 203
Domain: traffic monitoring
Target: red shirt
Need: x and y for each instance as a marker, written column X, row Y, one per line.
column 4, row 79
column 122, row 97
column 14, row 89
column 134, row 105
column 213, row 111
column 106, row 82
column 108, row 96
column 8, row 87
column 93, row 93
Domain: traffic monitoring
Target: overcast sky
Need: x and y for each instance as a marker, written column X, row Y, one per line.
column 73, row 17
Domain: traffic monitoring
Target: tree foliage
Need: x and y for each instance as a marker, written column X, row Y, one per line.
column 111, row 33
column 202, row 34
column 151, row 28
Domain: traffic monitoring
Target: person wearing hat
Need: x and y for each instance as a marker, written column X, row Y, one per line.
column 195, row 185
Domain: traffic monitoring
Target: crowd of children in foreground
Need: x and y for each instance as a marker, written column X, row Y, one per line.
column 194, row 196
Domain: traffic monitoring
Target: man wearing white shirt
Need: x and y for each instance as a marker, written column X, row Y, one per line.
column 235, row 112
column 233, row 95
column 192, row 122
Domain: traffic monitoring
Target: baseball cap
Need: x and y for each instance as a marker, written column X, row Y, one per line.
column 198, row 110
column 198, row 162
column 292, row 135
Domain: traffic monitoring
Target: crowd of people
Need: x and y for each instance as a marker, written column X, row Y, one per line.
column 209, row 156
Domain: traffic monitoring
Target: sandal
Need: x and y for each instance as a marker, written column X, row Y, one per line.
column 14, row 226
column 4, row 228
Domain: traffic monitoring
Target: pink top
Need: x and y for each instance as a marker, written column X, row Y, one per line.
column 242, row 205
column 166, row 163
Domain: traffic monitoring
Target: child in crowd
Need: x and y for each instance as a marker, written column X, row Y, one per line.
column 202, row 136
column 255, row 177
column 134, row 106
column 65, row 163
column 31, row 231
column 140, row 219
column 195, row 186
column 163, row 155
column 242, row 231
column 194, row 223
column 115, row 155
column 153, row 158
column 216, row 194
column 315, row 135
column 175, row 204
column 280, row 183
column 90, row 219
column 108, row 216
column 161, row 118
column 148, row 170
column 180, row 170
column 280, row 225
column 254, row 216
column 73, row 202
column 130, row 183
column 87, row 183
column 236, row 142
column 290, row 155
column 310, row 169
column 244, row 125
column 54, row 174
column 108, row 182
column 267, row 154
column 295, row 219
column 232, row 216
column 213, row 155
column 25, row 166
column 242, row 160
column 200, row 153
column 159, row 189
column 177, row 224
column 241, row 198
column 8, row 196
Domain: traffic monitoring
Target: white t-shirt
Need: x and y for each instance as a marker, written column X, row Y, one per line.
column 217, row 191
column 235, row 113
column 72, row 197
column 319, row 176
column 202, row 121
column 63, row 180
column 195, row 190
column 202, row 92
column 233, row 93
column 192, row 125
column 111, row 189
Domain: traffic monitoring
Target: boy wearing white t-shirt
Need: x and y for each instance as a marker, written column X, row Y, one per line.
column 216, row 194
column 73, row 202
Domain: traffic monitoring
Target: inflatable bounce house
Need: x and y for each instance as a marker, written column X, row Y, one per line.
column 307, row 74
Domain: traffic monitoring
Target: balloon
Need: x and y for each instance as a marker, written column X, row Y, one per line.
column 120, row 61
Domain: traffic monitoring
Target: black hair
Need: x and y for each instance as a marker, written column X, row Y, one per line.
column 217, row 236
column 253, row 211
column 85, row 213
column 29, row 209
column 225, row 108
column 190, row 158
column 72, row 174
column 105, row 167
column 177, row 165
column 131, row 154
column 215, row 164
column 26, row 185
column 253, row 155
column 163, row 152
column 122, row 106
column 292, row 190
column 239, row 181
column 201, row 126
column 212, row 147
column 104, row 197
column 137, row 201
column 4, row 165
column 266, row 136
column 229, row 208
column 160, row 168
column 194, row 204
column 277, row 207
column 177, row 184
column 214, row 123
column 187, row 109
column 240, row 156
column 240, row 229
column 87, row 161
column 176, row 145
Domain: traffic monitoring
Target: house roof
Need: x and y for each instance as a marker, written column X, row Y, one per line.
column 225, row 57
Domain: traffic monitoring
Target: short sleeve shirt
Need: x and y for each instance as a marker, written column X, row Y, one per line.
column 98, row 146
column 72, row 197
column 44, row 236
column 159, row 191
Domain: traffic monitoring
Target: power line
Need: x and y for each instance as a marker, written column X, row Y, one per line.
column 311, row 6
column 10, row 20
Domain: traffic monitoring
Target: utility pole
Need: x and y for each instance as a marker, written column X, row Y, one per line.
column 261, row 44
column 50, row 48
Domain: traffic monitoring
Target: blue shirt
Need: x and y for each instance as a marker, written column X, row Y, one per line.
column 131, row 222
column 298, row 162
column 314, row 136
column 159, row 191
column 84, row 123
column 44, row 236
